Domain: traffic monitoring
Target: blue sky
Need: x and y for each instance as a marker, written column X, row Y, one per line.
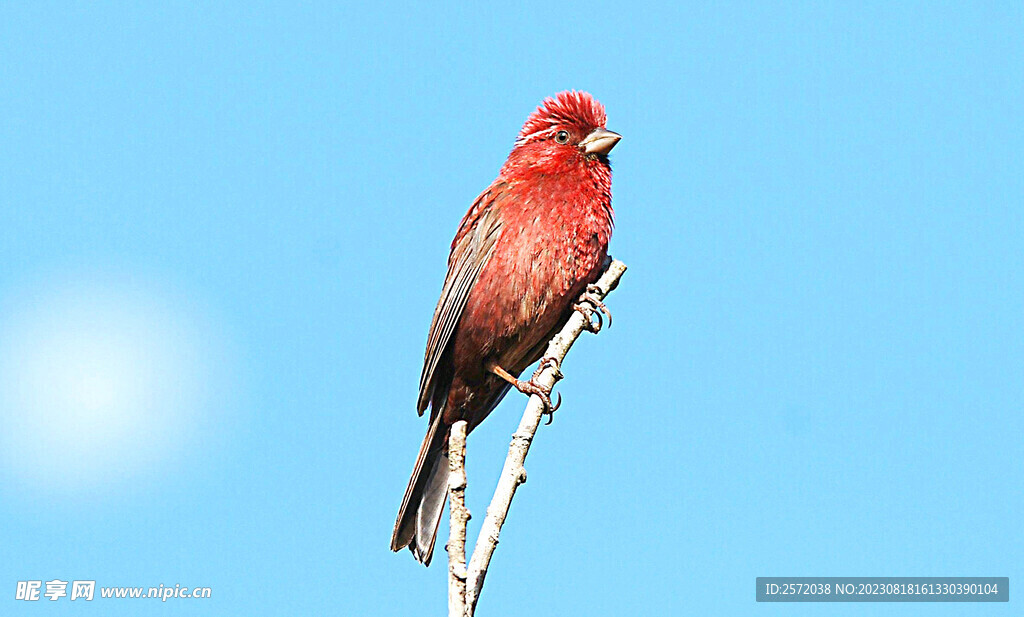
column 223, row 231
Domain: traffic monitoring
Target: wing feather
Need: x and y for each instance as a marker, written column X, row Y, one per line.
column 471, row 249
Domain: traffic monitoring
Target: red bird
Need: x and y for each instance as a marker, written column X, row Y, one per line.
column 525, row 251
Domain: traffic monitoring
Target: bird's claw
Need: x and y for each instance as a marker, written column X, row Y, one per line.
column 588, row 297
column 546, row 362
column 532, row 387
column 550, row 411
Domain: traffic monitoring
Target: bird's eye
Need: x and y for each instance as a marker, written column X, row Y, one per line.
column 562, row 137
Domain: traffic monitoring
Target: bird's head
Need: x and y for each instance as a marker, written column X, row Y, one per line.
column 566, row 132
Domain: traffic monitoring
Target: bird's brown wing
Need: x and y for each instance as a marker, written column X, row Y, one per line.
column 471, row 249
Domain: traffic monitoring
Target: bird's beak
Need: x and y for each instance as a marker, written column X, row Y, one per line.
column 600, row 141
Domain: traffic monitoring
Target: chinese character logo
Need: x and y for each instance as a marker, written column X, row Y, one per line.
column 82, row 589
column 28, row 590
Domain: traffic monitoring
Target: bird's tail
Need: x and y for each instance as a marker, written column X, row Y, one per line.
column 423, row 504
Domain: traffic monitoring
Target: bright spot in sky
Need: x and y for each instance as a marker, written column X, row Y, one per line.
column 98, row 382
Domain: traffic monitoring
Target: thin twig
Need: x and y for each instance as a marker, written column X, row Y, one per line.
column 459, row 516
column 513, row 473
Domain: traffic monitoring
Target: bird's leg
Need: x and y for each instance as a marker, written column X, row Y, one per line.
column 588, row 297
column 530, row 387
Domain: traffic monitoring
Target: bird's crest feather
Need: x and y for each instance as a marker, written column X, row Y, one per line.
column 572, row 108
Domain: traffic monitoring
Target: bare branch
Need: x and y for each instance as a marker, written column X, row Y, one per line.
column 513, row 473
column 459, row 517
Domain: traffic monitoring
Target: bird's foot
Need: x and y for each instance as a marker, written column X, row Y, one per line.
column 590, row 312
column 531, row 387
